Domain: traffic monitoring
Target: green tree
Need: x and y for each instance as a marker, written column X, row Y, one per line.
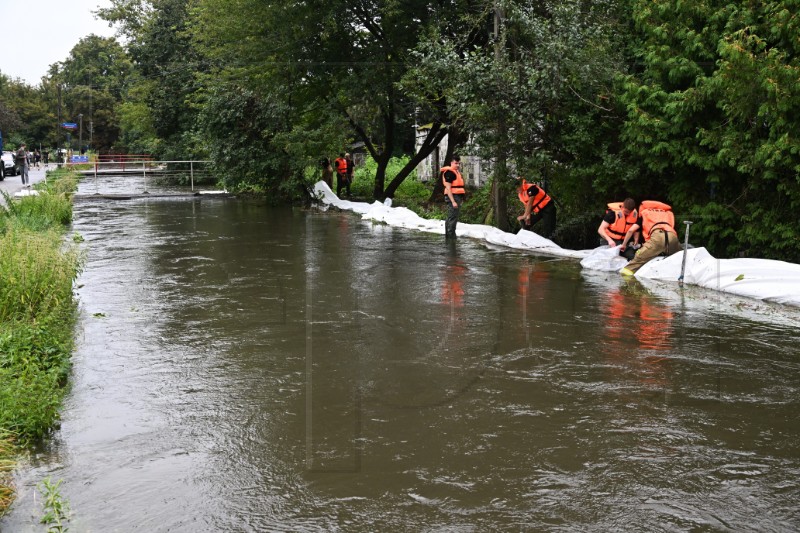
column 336, row 63
column 24, row 113
column 168, row 68
column 9, row 117
column 531, row 97
column 712, row 116
column 92, row 81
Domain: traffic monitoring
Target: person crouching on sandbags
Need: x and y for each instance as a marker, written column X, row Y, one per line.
column 618, row 219
column 538, row 206
column 660, row 238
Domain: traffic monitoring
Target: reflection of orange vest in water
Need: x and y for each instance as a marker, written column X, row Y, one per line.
column 621, row 223
column 527, row 276
column 656, row 215
column 539, row 201
column 457, row 186
column 453, row 292
column 655, row 325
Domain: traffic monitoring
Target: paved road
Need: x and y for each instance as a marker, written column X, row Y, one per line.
column 13, row 184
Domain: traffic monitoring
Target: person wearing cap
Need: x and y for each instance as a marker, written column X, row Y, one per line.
column 538, row 206
column 454, row 194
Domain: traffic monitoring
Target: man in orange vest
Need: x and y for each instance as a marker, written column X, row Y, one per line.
column 660, row 238
column 340, row 164
column 538, row 206
column 619, row 218
column 454, row 194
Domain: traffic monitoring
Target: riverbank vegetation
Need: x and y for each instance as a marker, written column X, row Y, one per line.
column 37, row 317
column 691, row 103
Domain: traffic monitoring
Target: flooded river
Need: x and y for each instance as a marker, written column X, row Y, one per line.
column 244, row 368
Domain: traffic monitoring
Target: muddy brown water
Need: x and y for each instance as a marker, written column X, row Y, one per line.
column 245, row 368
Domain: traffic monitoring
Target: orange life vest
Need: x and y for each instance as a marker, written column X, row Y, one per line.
column 341, row 165
column 539, row 201
column 656, row 215
column 621, row 223
column 457, row 186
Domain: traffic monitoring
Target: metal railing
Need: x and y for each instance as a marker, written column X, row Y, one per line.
column 144, row 176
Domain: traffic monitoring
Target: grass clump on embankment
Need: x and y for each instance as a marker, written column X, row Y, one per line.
column 37, row 316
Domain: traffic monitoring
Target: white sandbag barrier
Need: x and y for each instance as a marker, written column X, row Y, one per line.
column 762, row 279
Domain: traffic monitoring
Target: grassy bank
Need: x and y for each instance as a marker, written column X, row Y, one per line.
column 37, row 316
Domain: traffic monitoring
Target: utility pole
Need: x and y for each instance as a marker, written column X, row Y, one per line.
column 80, row 133
column 501, row 169
column 58, row 129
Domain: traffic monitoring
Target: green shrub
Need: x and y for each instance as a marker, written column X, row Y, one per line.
column 477, row 207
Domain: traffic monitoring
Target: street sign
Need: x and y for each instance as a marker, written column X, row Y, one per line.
column 69, row 125
column 80, row 158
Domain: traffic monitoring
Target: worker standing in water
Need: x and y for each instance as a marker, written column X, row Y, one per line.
column 453, row 194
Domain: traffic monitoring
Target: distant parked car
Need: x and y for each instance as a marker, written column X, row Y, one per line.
column 9, row 166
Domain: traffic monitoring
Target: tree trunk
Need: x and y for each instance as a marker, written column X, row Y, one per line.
column 499, row 194
column 432, row 140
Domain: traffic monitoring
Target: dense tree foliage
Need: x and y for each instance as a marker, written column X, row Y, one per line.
column 713, row 117
column 93, row 82
column 333, row 66
column 158, row 113
column 533, row 97
column 90, row 82
column 694, row 103
column 24, row 114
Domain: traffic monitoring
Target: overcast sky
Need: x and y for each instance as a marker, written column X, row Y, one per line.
column 37, row 33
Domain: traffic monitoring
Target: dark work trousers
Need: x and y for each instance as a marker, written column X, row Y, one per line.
column 23, row 172
column 547, row 215
column 342, row 182
column 627, row 253
column 452, row 215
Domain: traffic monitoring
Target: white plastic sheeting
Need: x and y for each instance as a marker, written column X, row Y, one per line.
column 763, row 279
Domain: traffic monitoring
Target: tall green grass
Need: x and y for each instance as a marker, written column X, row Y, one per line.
column 7, row 451
column 37, row 316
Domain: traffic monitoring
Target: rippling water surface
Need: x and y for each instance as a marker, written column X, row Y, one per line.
column 242, row 368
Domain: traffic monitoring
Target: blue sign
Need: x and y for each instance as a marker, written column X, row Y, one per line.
column 80, row 158
column 69, row 125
